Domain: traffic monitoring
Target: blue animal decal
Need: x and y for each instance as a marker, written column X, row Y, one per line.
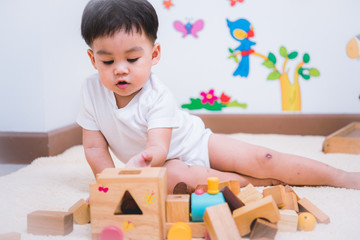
column 241, row 30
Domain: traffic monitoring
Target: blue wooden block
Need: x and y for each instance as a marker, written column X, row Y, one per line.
column 199, row 203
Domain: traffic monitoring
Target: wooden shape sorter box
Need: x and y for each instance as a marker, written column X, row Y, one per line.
column 132, row 200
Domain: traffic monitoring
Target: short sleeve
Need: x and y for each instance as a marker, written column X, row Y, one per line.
column 85, row 116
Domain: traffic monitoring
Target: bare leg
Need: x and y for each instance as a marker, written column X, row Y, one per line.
column 227, row 154
column 177, row 171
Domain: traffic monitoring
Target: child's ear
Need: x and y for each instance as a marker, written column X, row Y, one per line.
column 156, row 54
column 92, row 58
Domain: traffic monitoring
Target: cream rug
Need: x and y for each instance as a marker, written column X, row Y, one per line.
column 56, row 183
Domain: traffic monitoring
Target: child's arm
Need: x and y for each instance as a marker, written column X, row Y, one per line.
column 96, row 151
column 156, row 150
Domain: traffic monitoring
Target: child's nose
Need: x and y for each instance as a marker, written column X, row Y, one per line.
column 121, row 68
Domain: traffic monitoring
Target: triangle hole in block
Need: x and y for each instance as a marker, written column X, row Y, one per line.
column 127, row 206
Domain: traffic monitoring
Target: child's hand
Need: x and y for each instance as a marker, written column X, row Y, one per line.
column 140, row 160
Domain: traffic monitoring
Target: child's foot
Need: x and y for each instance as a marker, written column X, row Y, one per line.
column 349, row 180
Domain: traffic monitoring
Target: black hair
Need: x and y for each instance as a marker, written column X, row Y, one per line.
column 106, row 17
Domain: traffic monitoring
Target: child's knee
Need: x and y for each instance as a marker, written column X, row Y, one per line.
column 266, row 159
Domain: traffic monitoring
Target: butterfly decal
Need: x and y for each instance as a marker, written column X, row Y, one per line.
column 103, row 189
column 189, row 28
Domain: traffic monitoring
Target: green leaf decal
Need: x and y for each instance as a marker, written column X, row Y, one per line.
column 268, row 64
column 293, row 55
column 230, row 50
column 314, row 72
column 283, row 52
column 274, row 75
column 272, row 57
column 306, row 58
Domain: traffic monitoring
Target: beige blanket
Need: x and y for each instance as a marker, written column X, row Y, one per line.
column 56, row 183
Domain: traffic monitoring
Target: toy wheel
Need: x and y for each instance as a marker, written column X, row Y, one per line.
column 111, row 233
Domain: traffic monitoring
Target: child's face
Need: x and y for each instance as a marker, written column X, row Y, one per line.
column 124, row 62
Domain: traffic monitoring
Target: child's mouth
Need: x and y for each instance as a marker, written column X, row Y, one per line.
column 122, row 84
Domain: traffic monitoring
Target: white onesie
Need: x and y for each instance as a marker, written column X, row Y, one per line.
column 126, row 129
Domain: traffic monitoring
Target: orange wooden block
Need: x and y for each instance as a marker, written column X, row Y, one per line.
column 306, row 205
column 278, row 193
column 265, row 208
column 50, row 223
column 291, row 202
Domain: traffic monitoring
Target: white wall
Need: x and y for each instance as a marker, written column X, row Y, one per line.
column 43, row 62
column 321, row 28
column 43, row 59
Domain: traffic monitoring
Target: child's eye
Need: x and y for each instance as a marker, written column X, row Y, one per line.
column 131, row 60
column 108, row 62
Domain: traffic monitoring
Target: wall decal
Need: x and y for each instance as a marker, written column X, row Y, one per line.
column 241, row 30
column 233, row 2
column 188, row 28
column 353, row 47
column 168, row 4
column 210, row 101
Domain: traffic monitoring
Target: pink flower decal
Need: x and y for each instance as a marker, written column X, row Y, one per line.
column 208, row 97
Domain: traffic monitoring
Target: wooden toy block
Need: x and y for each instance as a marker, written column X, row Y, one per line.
column 307, row 206
column 220, row 223
column 177, row 208
column 10, row 236
column 288, row 221
column 50, row 223
column 233, row 201
column 179, row 231
column 345, row 140
column 181, row 188
column 291, row 202
column 249, row 194
column 131, row 199
column 198, row 229
column 263, row 229
column 278, row 193
column 233, row 185
column 81, row 212
column 265, row 208
column 289, row 189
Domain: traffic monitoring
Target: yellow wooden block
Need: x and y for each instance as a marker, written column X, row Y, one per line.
column 278, row 193
column 233, row 185
column 220, row 223
column 249, row 194
column 264, row 208
column 288, row 221
column 306, row 205
column 133, row 200
column 179, row 231
column 198, row 229
column 81, row 212
column 177, row 208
